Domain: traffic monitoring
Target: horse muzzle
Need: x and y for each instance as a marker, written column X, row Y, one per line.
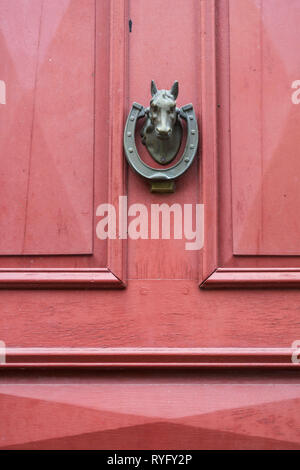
column 164, row 133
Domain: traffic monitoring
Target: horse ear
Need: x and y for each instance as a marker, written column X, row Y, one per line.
column 153, row 88
column 174, row 90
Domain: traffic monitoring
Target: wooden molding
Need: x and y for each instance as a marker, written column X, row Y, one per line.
column 117, row 98
column 247, row 277
column 215, row 145
column 209, row 137
column 112, row 275
column 58, row 278
column 148, row 358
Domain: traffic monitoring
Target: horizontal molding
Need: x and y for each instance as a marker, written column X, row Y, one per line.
column 253, row 277
column 111, row 358
column 58, row 278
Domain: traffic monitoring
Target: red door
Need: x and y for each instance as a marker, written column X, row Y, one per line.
column 119, row 336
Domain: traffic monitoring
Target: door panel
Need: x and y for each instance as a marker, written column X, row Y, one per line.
column 264, row 123
column 47, row 172
column 184, row 412
column 68, row 159
column 252, row 236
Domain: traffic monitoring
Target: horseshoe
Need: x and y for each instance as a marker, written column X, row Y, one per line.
column 165, row 174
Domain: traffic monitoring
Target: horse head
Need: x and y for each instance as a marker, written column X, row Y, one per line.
column 162, row 131
column 162, row 111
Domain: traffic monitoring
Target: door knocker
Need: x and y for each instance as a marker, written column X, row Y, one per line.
column 162, row 135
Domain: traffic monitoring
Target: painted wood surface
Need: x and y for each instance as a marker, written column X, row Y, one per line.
column 222, row 266
column 149, row 358
column 174, row 313
column 169, row 53
column 48, row 132
column 151, row 416
column 161, row 363
column 103, row 28
column 264, row 123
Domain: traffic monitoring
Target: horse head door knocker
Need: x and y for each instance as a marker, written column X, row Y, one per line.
column 162, row 136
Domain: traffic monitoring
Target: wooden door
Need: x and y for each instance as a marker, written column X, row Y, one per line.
column 128, row 342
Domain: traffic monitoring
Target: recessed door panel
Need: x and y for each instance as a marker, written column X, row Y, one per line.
column 47, row 127
column 265, row 121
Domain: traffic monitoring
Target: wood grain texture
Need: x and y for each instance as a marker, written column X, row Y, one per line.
column 161, row 364
column 59, row 279
column 117, row 97
column 150, row 416
column 156, row 52
column 149, row 358
column 105, row 265
column 209, row 138
column 255, row 277
column 236, row 167
column 174, row 313
column 47, row 139
column 264, row 123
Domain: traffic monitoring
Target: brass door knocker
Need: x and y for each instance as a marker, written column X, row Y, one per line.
column 162, row 136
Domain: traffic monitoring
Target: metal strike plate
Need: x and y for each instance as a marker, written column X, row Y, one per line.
column 162, row 187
